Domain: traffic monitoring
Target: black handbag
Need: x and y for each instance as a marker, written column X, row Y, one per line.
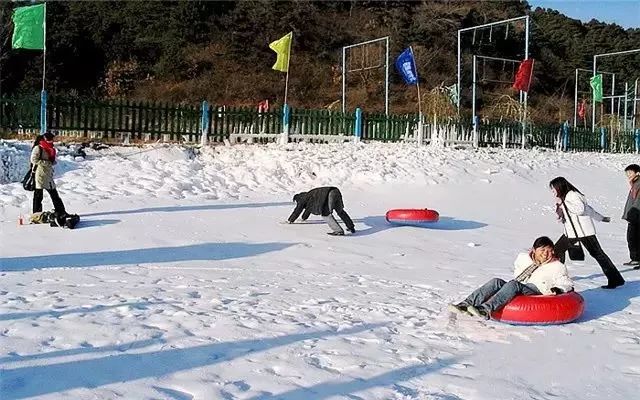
column 29, row 180
column 576, row 252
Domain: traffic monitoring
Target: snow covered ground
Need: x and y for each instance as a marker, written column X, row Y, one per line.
column 180, row 283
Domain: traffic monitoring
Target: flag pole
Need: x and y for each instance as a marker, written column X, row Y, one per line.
column 286, row 81
column 43, row 94
column 44, row 60
column 420, row 130
column 413, row 59
column 526, row 96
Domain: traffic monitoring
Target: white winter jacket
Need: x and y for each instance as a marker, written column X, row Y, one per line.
column 581, row 214
column 546, row 276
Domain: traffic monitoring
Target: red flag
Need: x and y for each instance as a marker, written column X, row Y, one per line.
column 581, row 109
column 263, row 106
column 523, row 76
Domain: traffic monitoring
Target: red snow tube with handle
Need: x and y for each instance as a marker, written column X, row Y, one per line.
column 412, row 216
column 541, row 309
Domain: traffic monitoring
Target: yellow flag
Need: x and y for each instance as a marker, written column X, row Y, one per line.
column 282, row 47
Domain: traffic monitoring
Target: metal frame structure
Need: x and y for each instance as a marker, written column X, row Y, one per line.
column 504, row 21
column 386, row 73
column 575, row 92
column 523, row 95
column 595, row 61
column 473, row 87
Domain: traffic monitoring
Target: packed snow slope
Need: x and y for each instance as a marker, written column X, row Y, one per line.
column 181, row 283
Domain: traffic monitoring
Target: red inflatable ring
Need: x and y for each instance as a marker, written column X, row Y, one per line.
column 541, row 309
column 412, row 216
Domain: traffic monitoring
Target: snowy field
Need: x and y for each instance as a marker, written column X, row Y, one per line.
column 180, row 282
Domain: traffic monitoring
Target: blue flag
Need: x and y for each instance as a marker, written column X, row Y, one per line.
column 406, row 66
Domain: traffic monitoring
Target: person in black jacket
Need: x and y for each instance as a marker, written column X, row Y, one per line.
column 322, row 201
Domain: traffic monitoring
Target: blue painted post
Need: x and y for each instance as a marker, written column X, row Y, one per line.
column 565, row 136
column 603, row 139
column 475, row 121
column 637, row 137
column 286, row 114
column 204, row 123
column 43, row 111
column 357, row 129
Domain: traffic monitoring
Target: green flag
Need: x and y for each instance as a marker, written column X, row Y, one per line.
column 282, row 47
column 453, row 93
column 596, row 86
column 28, row 27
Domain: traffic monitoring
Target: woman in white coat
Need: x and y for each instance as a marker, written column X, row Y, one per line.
column 43, row 158
column 577, row 217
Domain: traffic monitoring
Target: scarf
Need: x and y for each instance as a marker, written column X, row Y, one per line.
column 48, row 147
column 526, row 274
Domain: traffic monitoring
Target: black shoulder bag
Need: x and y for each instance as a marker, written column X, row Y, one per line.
column 576, row 253
column 29, row 180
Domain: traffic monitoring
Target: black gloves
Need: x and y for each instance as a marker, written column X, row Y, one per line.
column 556, row 290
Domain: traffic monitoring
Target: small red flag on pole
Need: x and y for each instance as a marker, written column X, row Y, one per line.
column 523, row 76
column 582, row 109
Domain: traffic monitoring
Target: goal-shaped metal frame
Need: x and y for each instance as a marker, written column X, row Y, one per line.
column 364, row 67
column 635, row 99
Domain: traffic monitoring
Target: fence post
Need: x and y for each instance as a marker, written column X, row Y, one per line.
column 475, row 131
column 357, row 128
column 420, row 130
column 603, row 138
column 637, row 140
column 204, row 123
column 505, row 130
column 286, row 114
column 565, row 136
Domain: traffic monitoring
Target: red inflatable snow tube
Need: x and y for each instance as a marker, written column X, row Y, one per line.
column 541, row 309
column 412, row 216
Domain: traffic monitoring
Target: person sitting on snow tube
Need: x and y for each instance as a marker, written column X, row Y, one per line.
column 322, row 201
column 538, row 272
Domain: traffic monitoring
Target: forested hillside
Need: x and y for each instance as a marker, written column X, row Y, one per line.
column 188, row 51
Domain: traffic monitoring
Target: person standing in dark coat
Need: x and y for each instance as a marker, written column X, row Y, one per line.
column 322, row 201
column 632, row 215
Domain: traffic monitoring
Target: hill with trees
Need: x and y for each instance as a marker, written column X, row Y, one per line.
column 188, row 51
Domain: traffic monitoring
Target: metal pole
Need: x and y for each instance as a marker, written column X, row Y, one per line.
column 626, row 97
column 498, row 59
column 386, row 80
column 526, row 94
column 619, row 52
column 459, row 88
column 415, row 67
column 473, row 101
column 43, row 94
column 613, row 90
column 635, row 100
column 344, row 52
column 286, row 81
column 593, row 103
column 504, row 21
column 575, row 102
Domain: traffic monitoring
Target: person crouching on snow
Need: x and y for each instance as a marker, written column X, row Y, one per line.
column 538, row 272
column 322, row 201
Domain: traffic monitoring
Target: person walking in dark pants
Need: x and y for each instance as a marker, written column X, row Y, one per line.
column 632, row 215
column 535, row 273
column 322, row 201
column 43, row 158
column 577, row 216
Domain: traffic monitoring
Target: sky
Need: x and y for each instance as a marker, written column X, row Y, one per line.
column 625, row 13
